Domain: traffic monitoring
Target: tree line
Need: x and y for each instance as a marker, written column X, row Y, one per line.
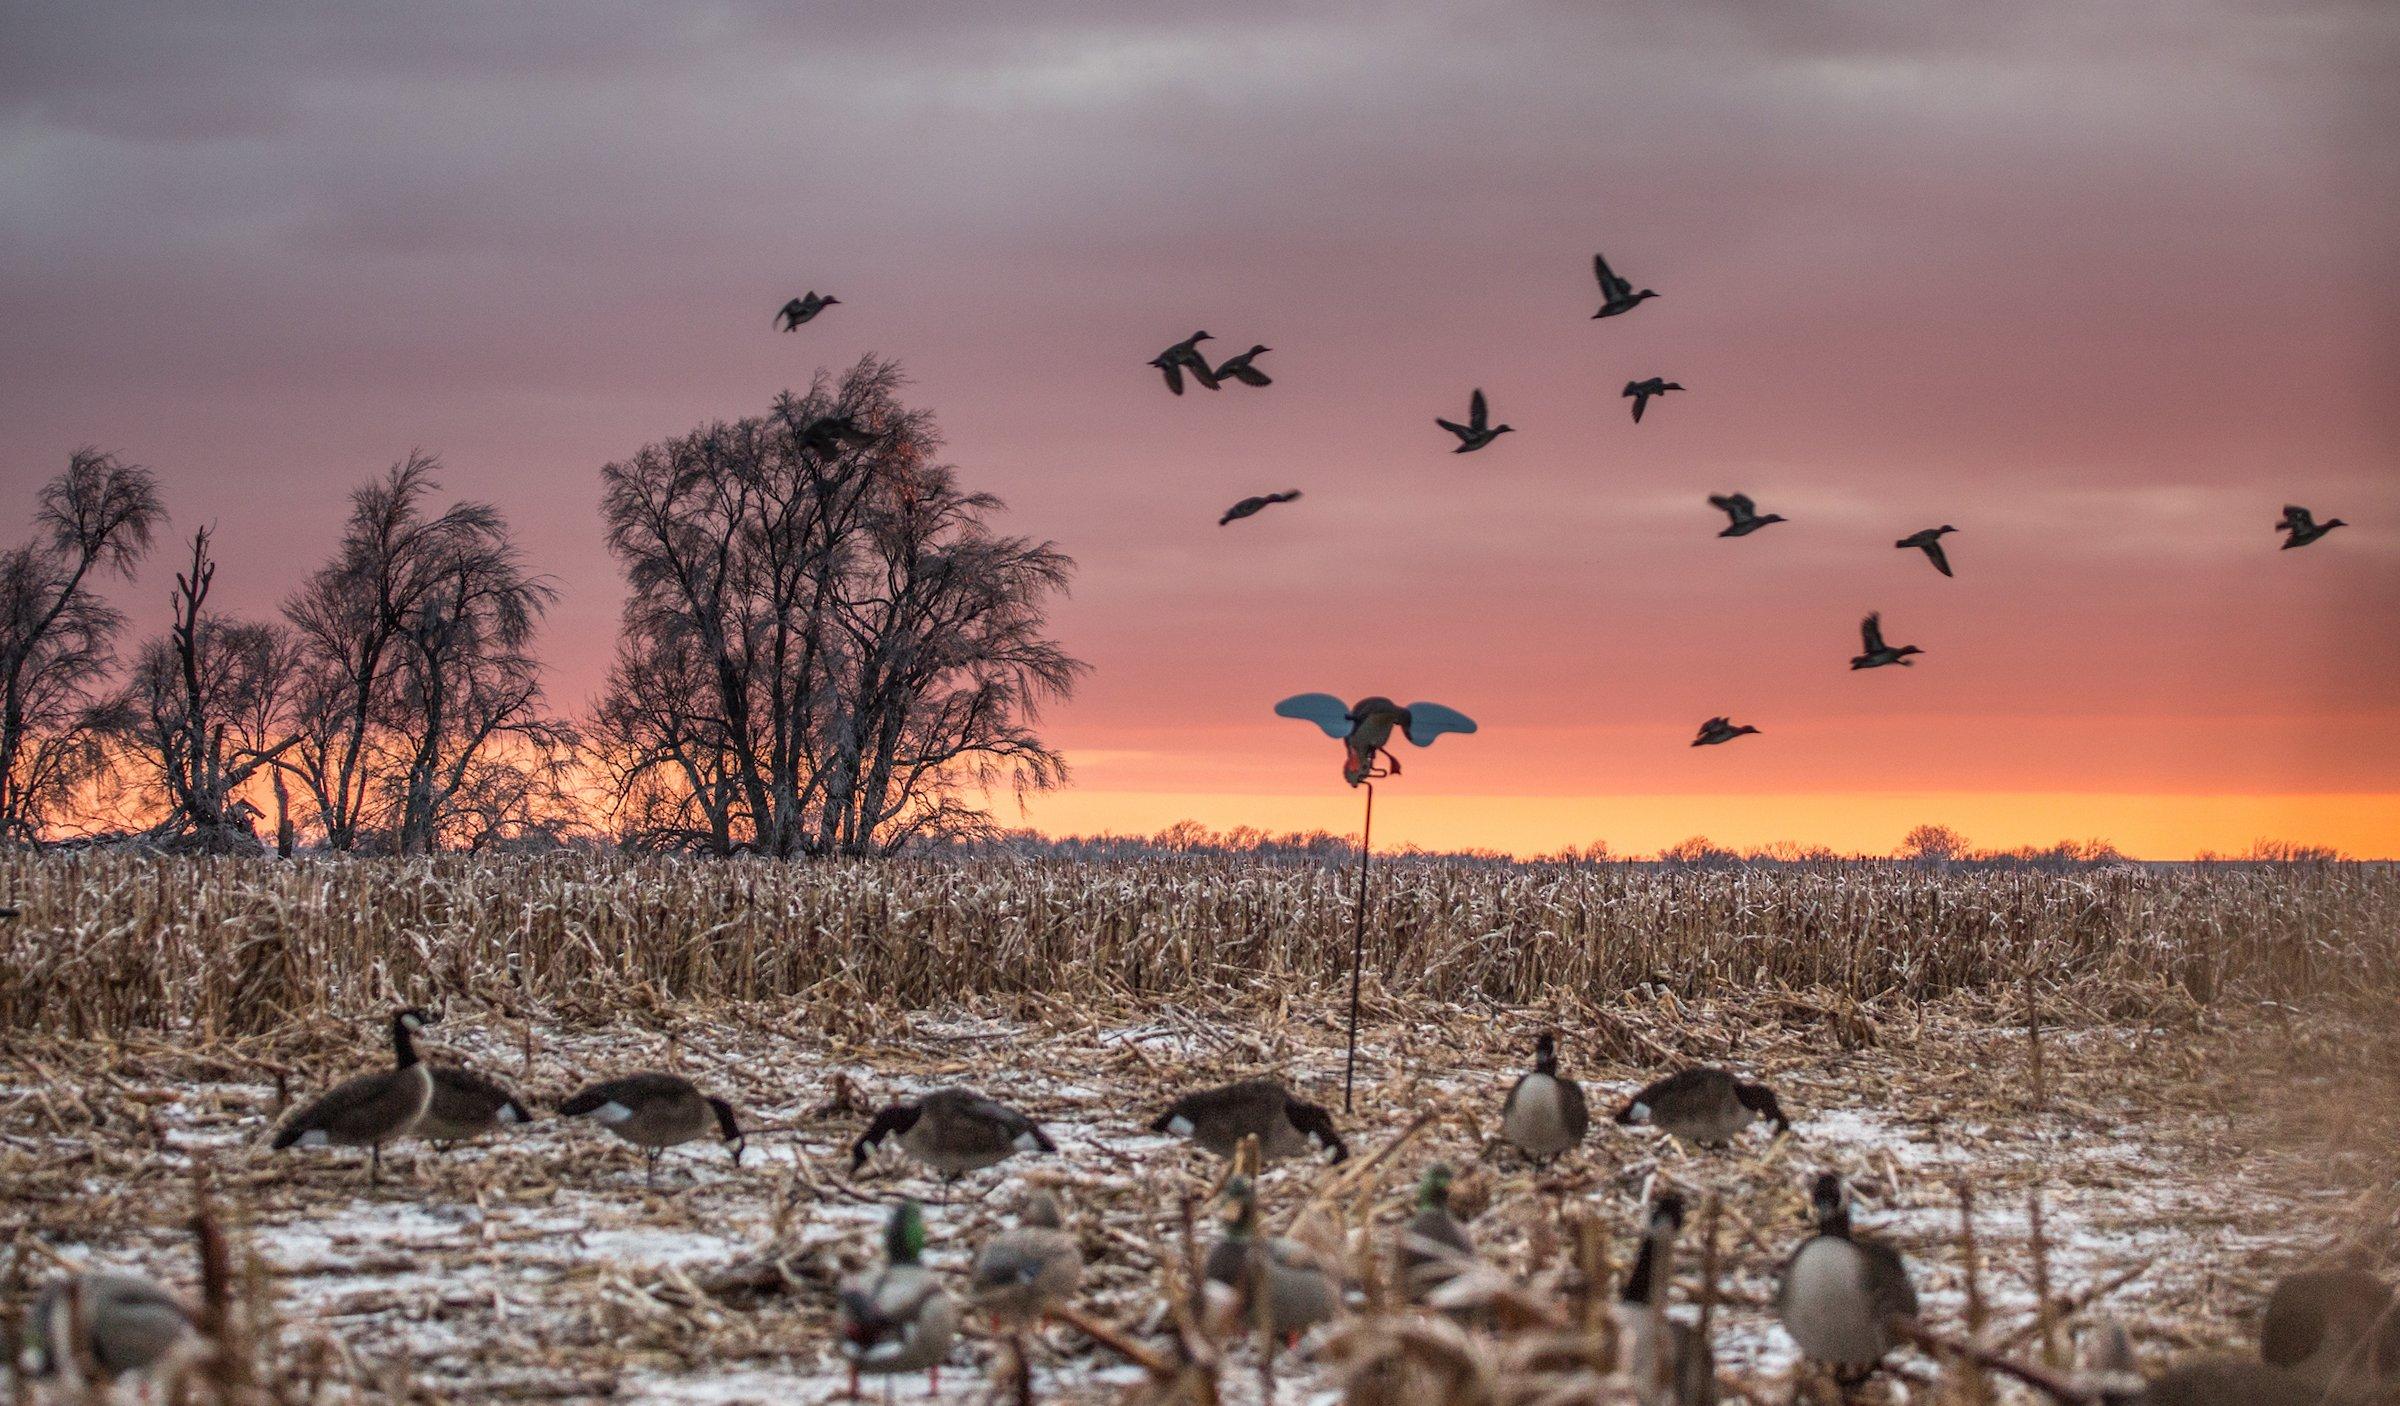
column 826, row 649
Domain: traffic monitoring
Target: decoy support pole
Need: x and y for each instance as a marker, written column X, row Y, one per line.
column 1358, row 946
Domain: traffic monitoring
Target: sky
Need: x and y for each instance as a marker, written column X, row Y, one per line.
column 2102, row 284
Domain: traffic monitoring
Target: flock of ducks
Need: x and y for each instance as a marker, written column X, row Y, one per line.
column 1844, row 1298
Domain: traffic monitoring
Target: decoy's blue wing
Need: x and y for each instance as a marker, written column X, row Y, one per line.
column 1427, row 721
column 1323, row 709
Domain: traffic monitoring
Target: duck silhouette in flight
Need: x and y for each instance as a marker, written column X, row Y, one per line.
column 800, row 310
column 1240, row 369
column 1616, row 294
column 1248, row 506
column 1185, row 356
column 2303, row 529
column 1641, row 391
column 1929, row 542
column 1478, row 431
column 1720, row 730
column 1742, row 511
column 1870, row 631
column 1365, row 726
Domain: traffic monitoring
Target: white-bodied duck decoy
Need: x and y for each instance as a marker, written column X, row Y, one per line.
column 1218, row 1119
column 1838, row 1292
column 1744, row 514
column 2300, row 528
column 1878, row 654
column 953, row 1131
column 1545, row 1113
column 800, row 310
column 1185, row 356
column 1242, row 369
column 130, row 1324
column 1929, row 542
column 1366, row 726
column 372, row 1109
column 1707, row 1107
column 1721, row 730
column 1667, row 1362
column 1248, row 506
column 1616, row 294
column 1641, row 391
column 1478, row 431
column 1023, row 1270
column 654, row 1112
column 898, row 1318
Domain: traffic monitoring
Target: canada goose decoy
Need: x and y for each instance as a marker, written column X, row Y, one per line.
column 1024, row 1269
column 9, row 913
column 898, row 1318
column 1706, row 1107
column 2336, row 1330
column 1185, row 356
column 1720, row 730
column 1617, row 295
column 1298, row 1291
column 1667, row 1362
column 828, row 435
column 371, row 1109
column 130, row 1324
column 953, row 1131
column 1838, row 1292
column 1240, row 369
column 1929, row 542
column 2302, row 529
column 1641, row 391
column 1744, row 514
column 466, row 1105
column 1478, row 431
column 655, row 1112
column 1545, row 1113
column 1218, row 1119
column 800, row 310
column 1366, row 726
column 1433, row 1246
column 1878, row 654
column 1248, row 506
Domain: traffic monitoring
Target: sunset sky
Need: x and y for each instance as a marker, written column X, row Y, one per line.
column 2102, row 282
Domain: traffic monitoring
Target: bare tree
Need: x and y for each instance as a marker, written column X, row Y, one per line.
column 95, row 519
column 1935, row 844
column 826, row 648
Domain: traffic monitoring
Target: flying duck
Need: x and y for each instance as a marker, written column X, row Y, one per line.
column 467, row 1105
column 898, row 1318
column 371, row 1109
column 953, row 1131
column 1870, row 631
column 800, row 310
column 1545, row 1113
column 1667, row 1362
column 1617, row 295
column 1432, row 1245
column 1185, row 356
column 1742, row 511
column 2336, row 1330
column 2302, row 528
column 1365, row 726
column 1248, row 506
column 655, row 1112
column 1838, row 1292
column 1930, row 542
column 1300, row 1293
column 130, row 1324
column 1641, row 391
column 1478, row 431
column 828, row 435
column 1703, row 1106
column 1720, row 730
column 1218, row 1119
column 1024, row 1269
column 1240, row 369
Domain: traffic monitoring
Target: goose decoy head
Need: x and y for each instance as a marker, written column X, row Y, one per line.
column 416, row 1018
column 1829, row 1201
column 1545, row 1053
column 1313, row 1120
column 891, row 1122
column 1761, row 1100
column 1666, row 1213
column 729, row 1130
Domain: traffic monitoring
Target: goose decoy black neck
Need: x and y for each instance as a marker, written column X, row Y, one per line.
column 405, row 1024
column 1665, row 1223
column 1829, row 1200
column 1545, row 1054
column 728, row 1129
column 888, row 1123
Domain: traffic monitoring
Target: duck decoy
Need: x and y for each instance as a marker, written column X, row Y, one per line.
column 1248, row 506
column 898, row 1318
column 1878, row 654
column 1241, row 369
column 1545, row 1113
column 1641, row 391
column 1929, row 542
column 654, row 1112
column 1185, row 356
column 1721, row 730
column 1433, row 1247
column 466, row 1105
column 1478, row 431
column 1285, row 1126
column 1366, row 726
column 1743, row 512
column 1283, row 1277
column 2336, row 1330
column 371, row 1109
column 1839, row 1292
column 800, row 310
column 130, row 1324
column 1025, row 1269
column 1667, row 1362
column 1616, row 294
column 953, row 1131
column 2302, row 529
column 1707, row 1107
column 828, row 435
